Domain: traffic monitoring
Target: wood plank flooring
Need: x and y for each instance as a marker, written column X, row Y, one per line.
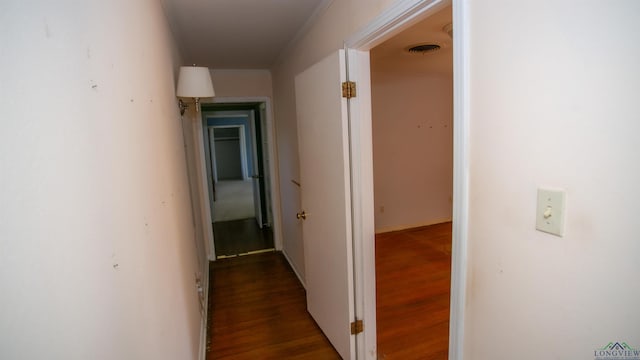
column 239, row 237
column 257, row 310
column 257, row 306
column 413, row 271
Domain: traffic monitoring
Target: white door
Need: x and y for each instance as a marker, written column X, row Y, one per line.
column 325, row 198
column 267, row 217
column 255, row 172
column 214, row 174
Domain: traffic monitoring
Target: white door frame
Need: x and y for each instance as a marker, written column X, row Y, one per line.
column 398, row 17
column 273, row 171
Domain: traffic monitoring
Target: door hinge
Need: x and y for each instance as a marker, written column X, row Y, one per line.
column 357, row 327
column 348, row 89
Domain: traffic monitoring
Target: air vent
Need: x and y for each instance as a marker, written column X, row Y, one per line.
column 422, row 49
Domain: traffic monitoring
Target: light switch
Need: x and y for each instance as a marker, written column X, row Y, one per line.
column 550, row 212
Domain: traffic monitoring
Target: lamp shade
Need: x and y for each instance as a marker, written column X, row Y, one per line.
column 194, row 82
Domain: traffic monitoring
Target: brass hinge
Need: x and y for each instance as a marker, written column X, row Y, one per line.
column 348, row 89
column 357, row 327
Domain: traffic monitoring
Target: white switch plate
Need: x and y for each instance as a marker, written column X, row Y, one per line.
column 551, row 211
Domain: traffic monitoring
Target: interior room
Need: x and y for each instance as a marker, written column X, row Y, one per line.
column 412, row 118
column 107, row 244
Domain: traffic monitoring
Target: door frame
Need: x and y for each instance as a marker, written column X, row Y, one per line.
column 400, row 16
column 274, row 188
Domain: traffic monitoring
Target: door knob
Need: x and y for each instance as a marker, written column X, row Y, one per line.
column 301, row 215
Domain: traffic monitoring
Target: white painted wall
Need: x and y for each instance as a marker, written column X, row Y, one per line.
column 97, row 254
column 242, row 83
column 554, row 103
column 325, row 34
column 412, row 148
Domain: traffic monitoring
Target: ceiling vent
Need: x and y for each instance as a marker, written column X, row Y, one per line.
column 423, row 49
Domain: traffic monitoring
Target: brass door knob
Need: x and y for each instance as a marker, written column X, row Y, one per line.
column 301, row 215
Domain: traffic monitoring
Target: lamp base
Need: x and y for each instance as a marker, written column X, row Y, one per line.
column 182, row 106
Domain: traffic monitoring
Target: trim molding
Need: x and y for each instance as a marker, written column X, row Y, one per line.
column 461, row 151
column 363, row 220
column 412, row 226
column 317, row 13
column 227, row 116
column 202, row 354
column 398, row 17
column 295, row 270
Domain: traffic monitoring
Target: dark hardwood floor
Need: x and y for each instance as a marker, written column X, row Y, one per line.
column 241, row 237
column 257, row 306
column 257, row 310
column 413, row 271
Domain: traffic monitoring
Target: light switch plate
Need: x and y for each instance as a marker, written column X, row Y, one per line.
column 550, row 212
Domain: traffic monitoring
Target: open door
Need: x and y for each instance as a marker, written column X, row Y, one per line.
column 267, row 215
column 325, row 197
column 212, row 164
column 256, row 174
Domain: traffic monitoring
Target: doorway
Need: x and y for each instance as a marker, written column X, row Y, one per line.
column 237, row 180
column 398, row 17
column 412, row 101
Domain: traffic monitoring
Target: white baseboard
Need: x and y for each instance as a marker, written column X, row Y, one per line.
column 294, row 269
column 411, row 226
column 202, row 354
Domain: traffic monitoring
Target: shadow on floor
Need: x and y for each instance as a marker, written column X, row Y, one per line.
column 241, row 237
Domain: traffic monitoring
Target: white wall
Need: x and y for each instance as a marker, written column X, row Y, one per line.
column 554, row 103
column 246, row 83
column 324, row 36
column 97, row 254
column 412, row 148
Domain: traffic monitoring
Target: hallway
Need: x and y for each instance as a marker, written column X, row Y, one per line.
column 257, row 310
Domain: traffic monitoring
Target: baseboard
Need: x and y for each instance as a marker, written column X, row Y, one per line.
column 202, row 354
column 294, row 269
column 405, row 227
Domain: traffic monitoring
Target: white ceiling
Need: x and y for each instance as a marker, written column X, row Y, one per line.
column 236, row 34
column 392, row 55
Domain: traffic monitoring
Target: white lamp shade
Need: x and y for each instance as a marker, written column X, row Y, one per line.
column 194, row 82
